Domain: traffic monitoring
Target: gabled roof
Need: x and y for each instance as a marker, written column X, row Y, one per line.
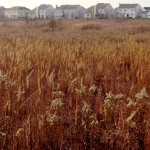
column 44, row 6
column 32, row 11
column 2, row 8
column 18, row 8
column 67, row 7
column 101, row 5
column 98, row 6
column 128, row 5
column 89, row 10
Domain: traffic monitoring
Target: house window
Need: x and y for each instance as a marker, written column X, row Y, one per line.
column 120, row 10
column 131, row 9
column 125, row 10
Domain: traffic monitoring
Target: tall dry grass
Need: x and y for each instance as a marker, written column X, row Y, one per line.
column 78, row 89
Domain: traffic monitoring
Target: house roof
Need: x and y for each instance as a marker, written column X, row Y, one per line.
column 101, row 5
column 2, row 8
column 89, row 10
column 43, row 6
column 32, row 11
column 67, row 7
column 98, row 6
column 128, row 5
column 147, row 8
column 18, row 8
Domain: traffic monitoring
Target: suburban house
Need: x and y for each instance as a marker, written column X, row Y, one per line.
column 146, row 12
column 2, row 11
column 89, row 13
column 44, row 11
column 129, row 11
column 16, row 12
column 69, row 12
column 32, row 14
column 101, row 10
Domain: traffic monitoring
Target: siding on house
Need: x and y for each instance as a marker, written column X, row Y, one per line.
column 69, row 12
column 146, row 12
column 43, row 11
column 101, row 10
column 129, row 11
column 16, row 12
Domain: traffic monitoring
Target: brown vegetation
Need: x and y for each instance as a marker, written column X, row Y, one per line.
column 75, row 89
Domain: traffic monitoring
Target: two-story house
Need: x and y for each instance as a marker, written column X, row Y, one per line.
column 43, row 11
column 129, row 11
column 146, row 12
column 2, row 11
column 101, row 10
column 69, row 12
column 16, row 12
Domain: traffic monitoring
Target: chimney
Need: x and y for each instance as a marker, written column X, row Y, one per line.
column 56, row 6
column 119, row 4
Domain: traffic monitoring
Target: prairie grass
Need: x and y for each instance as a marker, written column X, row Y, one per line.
column 75, row 89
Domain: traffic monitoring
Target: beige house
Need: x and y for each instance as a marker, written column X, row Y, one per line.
column 129, row 11
column 16, row 12
column 101, row 10
column 69, row 12
column 2, row 11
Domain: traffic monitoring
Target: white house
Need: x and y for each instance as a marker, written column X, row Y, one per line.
column 129, row 11
column 43, row 11
column 146, row 12
column 16, row 12
column 2, row 11
column 69, row 12
column 101, row 10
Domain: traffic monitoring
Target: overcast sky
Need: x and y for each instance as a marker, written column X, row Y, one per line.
column 86, row 3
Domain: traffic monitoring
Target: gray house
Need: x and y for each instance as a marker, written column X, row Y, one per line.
column 43, row 11
column 146, row 12
column 101, row 10
column 69, row 12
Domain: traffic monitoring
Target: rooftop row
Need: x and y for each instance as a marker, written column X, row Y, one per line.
column 101, row 10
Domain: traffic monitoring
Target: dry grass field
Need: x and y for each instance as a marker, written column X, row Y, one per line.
column 75, row 85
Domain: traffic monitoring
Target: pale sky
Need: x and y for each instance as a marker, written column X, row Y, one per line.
column 33, row 3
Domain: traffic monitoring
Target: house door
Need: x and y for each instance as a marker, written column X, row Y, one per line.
column 127, row 15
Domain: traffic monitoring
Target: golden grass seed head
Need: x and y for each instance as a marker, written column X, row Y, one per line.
column 86, row 109
column 142, row 94
column 52, row 119
column 56, row 103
